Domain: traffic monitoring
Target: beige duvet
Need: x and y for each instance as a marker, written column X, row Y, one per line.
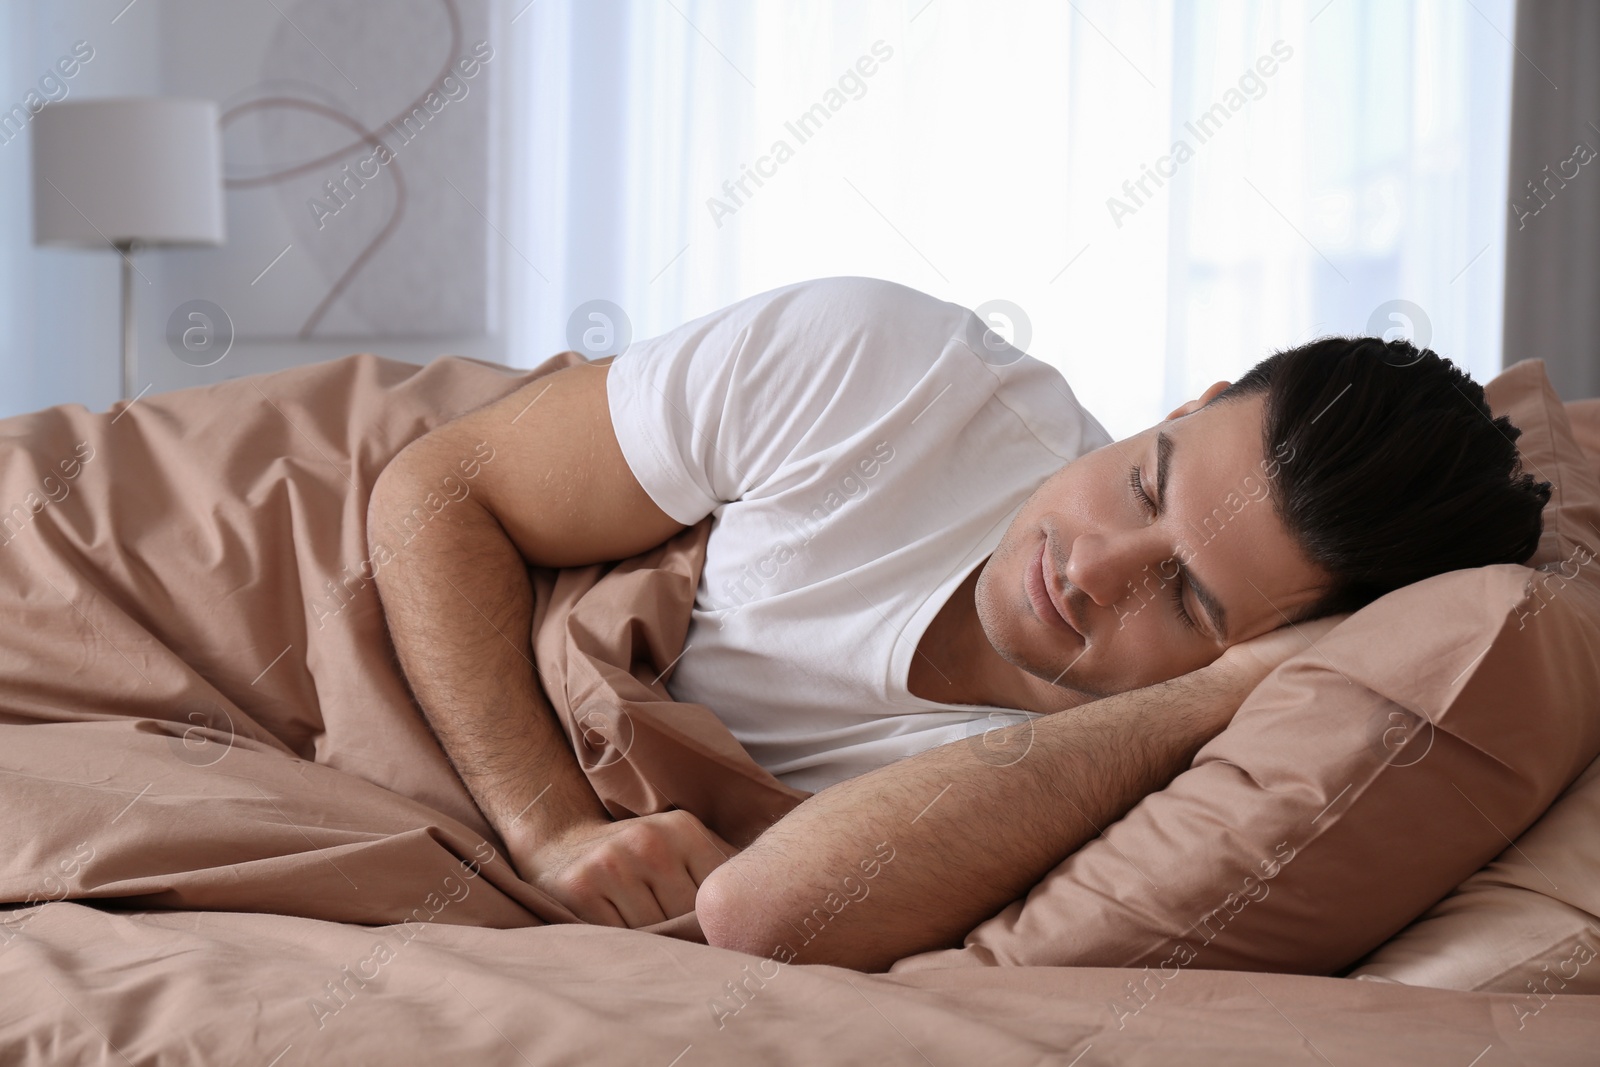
column 231, row 838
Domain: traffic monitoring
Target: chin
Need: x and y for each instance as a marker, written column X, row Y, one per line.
column 1010, row 627
column 999, row 620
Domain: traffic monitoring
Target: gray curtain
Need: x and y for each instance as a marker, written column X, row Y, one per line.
column 1553, row 231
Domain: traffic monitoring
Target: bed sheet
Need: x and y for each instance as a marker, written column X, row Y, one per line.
column 86, row 985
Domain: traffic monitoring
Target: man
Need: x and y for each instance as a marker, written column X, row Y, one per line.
column 917, row 526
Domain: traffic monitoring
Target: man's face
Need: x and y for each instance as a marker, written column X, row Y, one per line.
column 1131, row 551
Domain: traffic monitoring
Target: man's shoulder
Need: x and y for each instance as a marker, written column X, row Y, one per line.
column 845, row 294
column 840, row 327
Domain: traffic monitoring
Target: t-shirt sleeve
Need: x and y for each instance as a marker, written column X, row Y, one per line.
column 710, row 412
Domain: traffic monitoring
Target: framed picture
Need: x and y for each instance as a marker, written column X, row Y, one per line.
column 358, row 162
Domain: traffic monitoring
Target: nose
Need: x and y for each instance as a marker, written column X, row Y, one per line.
column 1104, row 566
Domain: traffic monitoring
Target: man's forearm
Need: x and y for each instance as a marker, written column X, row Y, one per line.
column 460, row 607
column 965, row 837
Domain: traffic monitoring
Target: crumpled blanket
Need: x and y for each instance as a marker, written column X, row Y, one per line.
column 202, row 709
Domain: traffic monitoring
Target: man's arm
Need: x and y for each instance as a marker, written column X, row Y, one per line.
column 536, row 477
column 913, row 855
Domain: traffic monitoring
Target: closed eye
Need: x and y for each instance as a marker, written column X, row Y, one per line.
column 1136, row 483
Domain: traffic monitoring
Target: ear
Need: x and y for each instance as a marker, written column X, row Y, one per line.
column 1195, row 405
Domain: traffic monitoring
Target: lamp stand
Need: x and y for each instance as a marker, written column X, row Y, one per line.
column 129, row 337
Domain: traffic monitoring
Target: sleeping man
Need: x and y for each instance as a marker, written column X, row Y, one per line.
column 920, row 534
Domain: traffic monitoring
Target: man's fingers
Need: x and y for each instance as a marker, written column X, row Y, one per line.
column 675, row 890
column 610, row 900
column 691, row 852
column 597, row 911
column 638, row 872
column 685, row 853
column 638, row 905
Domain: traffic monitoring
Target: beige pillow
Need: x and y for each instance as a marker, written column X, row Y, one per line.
column 1359, row 783
column 1530, row 921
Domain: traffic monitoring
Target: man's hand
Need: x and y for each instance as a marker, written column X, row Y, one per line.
column 631, row 872
column 1258, row 657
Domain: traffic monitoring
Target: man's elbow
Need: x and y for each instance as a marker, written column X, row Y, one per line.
column 720, row 909
column 739, row 910
column 735, row 913
column 394, row 484
column 407, row 496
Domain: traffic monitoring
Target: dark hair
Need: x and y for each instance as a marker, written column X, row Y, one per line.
column 1391, row 466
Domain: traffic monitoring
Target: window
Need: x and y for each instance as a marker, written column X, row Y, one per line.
column 1168, row 191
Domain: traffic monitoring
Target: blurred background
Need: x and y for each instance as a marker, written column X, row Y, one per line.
column 1148, row 195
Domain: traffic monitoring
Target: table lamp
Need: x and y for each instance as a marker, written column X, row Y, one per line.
column 127, row 172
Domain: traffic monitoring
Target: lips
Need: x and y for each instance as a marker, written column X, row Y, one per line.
column 1041, row 590
column 1053, row 589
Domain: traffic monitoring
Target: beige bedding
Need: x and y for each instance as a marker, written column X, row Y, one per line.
column 205, row 739
column 85, row 986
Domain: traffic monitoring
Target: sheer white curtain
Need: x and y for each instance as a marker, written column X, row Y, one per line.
column 1167, row 191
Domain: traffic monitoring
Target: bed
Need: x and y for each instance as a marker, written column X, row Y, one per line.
column 232, row 838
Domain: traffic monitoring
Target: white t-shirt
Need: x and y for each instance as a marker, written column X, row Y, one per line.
column 860, row 458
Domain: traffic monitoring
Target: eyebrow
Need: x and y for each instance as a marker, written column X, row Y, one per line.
column 1216, row 615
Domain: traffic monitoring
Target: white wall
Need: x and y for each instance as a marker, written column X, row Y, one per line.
column 60, row 327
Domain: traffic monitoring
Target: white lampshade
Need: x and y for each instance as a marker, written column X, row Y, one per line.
column 128, row 169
